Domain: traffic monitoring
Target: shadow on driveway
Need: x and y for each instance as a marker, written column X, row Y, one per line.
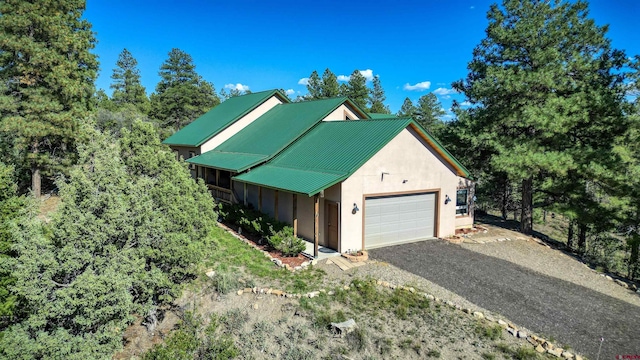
column 551, row 307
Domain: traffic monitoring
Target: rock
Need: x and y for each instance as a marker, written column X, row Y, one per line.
column 297, row 268
column 278, row 262
column 490, row 318
column 210, row 273
column 254, row 290
column 255, row 306
column 578, row 357
column 502, row 323
column 535, row 337
column 392, row 286
column 608, row 277
column 540, row 349
column 522, row 334
column 247, row 290
column 412, row 290
column 344, row 327
column 240, row 292
column 323, row 291
column 304, row 264
column 622, row 283
column 556, row 352
column 277, row 292
column 450, row 303
column 314, row 262
column 512, row 331
column 437, row 299
column 346, row 287
column 331, row 293
column 385, row 284
column 287, row 266
column 478, row 314
column 269, row 291
column 468, row 311
column 567, row 355
column 532, row 341
column 313, row 294
column 429, row 297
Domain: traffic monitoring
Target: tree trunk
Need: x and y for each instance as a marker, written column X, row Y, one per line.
column 526, row 217
column 633, row 266
column 582, row 238
column 505, row 202
column 36, row 179
column 570, row 235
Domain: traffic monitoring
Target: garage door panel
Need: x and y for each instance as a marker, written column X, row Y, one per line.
column 399, row 218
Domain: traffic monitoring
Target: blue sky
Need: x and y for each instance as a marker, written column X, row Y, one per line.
column 415, row 47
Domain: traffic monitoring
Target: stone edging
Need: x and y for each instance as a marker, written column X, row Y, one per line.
column 278, row 262
column 539, row 344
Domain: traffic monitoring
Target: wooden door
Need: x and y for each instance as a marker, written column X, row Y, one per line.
column 333, row 225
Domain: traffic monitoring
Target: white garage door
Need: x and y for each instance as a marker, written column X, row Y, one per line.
column 399, row 218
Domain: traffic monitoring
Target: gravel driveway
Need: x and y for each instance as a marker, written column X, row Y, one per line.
column 547, row 305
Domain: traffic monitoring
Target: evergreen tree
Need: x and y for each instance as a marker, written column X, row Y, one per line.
column 356, row 89
column 47, row 74
column 547, row 93
column 407, row 109
column 314, row 86
column 428, row 113
column 181, row 95
column 126, row 85
column 377, row 98
column 329, row 87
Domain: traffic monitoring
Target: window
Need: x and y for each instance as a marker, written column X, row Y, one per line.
column 462, row 202
column 192, row 154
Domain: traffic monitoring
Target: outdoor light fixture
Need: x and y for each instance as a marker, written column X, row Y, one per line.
column 355, row 208
column 404, row 181
column 447, row 199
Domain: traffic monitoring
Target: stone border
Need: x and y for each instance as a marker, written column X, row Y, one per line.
column 357, row 258
column 278, row 262
column 540, row 344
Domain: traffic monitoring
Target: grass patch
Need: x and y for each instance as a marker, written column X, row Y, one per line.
column 518, row 353
column 487, row 331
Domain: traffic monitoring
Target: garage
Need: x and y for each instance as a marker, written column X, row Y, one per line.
column 394, row 219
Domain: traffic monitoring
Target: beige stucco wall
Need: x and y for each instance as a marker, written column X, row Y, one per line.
column 406, row 157
column 183, row 152
column 339, row 114
column 466, row 221
column 240, row 124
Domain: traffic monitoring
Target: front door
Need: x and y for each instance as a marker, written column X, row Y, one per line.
column 333, row 226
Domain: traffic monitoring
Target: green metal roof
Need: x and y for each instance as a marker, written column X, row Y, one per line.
column 219, row 118
column 381, row 116
column 267, row 135
column 331, row 152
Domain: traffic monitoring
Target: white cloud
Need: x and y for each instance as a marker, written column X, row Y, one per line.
column 421, row 86
column 444, row 91
column 303, row 81
column 368, row 74
column 237, row 86
column 472, row 7
column 343, row 78
column 290, row 91
column 465, row 103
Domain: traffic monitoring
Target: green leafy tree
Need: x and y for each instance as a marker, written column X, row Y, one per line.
column 314, row 86
column 127, row 88
column 546, row 92
column 377, row 98
column 181, row 95
column 428, row 113
column 329, row 87
column 356, row 89
column 407, row 109
column 47, row 72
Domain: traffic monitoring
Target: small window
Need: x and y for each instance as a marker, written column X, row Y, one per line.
column 192, row 154
column 462, row 202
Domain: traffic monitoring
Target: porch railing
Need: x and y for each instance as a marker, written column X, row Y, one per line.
column 221, row 194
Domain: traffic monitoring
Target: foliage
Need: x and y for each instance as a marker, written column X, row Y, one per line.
column 407, row 109
column 132, row 225
column 547, row 92
column 253, row 221
column 126, row 85
column 329, row 87
column 356, row 89
column 428, row 113
column 377, row 98
column 181, row 95
column 287, row 243
column 47, row 82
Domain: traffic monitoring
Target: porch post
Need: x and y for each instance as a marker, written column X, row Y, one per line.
column 260, row 198
column 295, row 215
column 217, row 177
column 244, row 200
column 316, row 225
column 275, row 206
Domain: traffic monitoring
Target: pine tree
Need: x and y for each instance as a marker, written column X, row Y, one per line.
column 47, row 72
column 126, row 85
column 181, row 95
column 314, row 86
column 547, row 93
column 377, row 98
column 329, row 87
column 407, row 109
column 428, row 113
column 356, row 89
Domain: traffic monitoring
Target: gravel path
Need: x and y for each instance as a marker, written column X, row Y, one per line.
column 572, row 312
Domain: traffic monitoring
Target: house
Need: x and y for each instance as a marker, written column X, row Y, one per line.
column 343, row 179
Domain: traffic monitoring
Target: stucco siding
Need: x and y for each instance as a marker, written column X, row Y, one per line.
column 406, row 164
column 305, row 217
column 252, row 196
column 285, row 207
column 268, row 201
column 340, row 113
column 234, row 128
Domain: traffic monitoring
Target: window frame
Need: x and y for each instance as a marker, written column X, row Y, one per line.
column 462, row 206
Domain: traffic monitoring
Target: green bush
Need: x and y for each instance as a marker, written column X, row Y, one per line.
column 287, row 243
column 250, row 220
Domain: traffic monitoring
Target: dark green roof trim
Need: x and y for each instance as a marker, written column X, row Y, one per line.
column 219, row 118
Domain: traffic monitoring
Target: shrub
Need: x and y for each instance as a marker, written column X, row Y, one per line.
column 250, row 220
column 287, row 243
